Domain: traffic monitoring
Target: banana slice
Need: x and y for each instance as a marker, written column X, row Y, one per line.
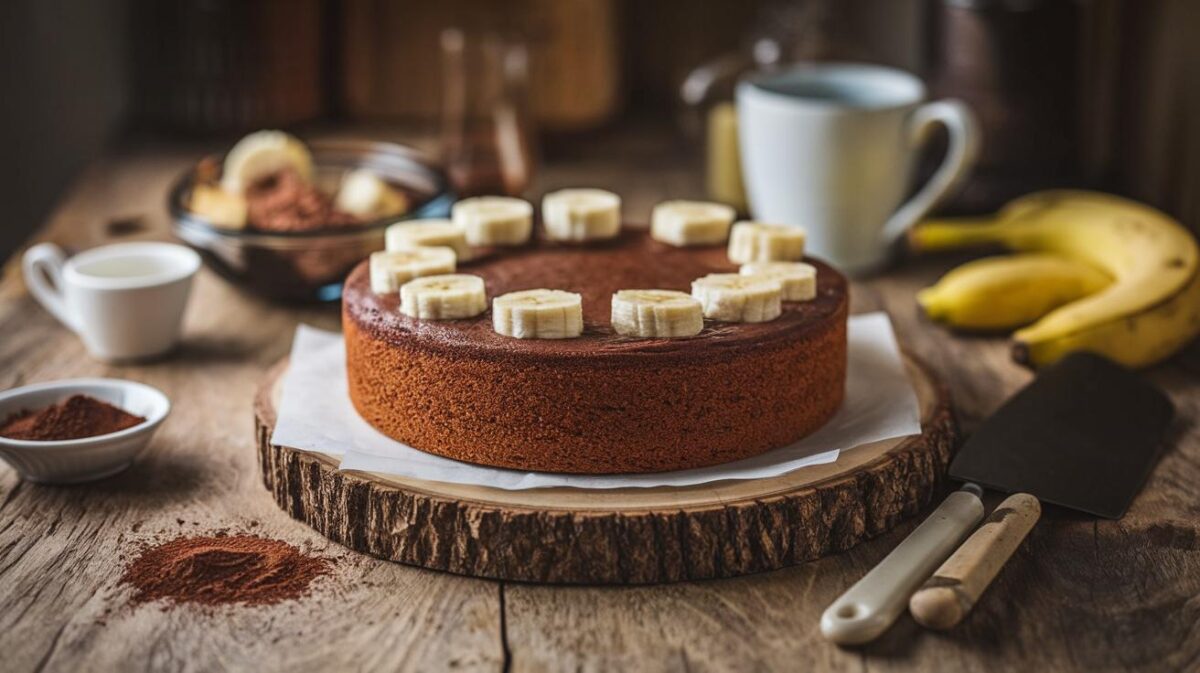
column 683, row 223
column 223, row 209
column 581, row 215
column 390, row 270
column 366, row 195
column 260, row 154
column 656, row 313
column 494, row 220
column 429, row 233
column 799, row 280
column 732, row 297
column 759, row 242
column 452, row 296
column 538, row 314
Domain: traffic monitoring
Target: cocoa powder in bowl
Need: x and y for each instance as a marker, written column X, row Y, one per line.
column 223, row 570
column 76, row 417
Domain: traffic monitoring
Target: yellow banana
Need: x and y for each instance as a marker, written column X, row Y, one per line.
column 1142, row 317
column 1003, row 293
column 1136, row 340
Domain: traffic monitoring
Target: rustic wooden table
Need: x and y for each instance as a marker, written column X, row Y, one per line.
column 1079, row 595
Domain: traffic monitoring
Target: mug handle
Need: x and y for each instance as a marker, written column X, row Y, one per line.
column 42, row 261
column 961, row 154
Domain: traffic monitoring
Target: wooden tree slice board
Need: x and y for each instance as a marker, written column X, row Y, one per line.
column 616, row 536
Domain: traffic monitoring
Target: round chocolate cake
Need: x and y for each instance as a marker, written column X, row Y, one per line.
column 599, row 403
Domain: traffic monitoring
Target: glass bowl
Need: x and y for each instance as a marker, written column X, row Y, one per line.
column 311, row 265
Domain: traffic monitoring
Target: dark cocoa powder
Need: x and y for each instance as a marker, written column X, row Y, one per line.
column 223, row 570
column 76, row 417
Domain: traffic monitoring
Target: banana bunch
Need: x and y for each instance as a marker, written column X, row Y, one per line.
column 1093, row 272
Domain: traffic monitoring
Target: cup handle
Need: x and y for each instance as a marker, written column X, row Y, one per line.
column 42, row 261
column 961, row 154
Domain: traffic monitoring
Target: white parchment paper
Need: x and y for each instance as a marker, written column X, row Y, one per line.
column 315, row 414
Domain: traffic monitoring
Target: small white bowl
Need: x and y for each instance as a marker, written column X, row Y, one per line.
column 77, row 460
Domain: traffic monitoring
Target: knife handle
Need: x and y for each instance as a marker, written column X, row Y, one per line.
column 869, row 607
column 943, row 601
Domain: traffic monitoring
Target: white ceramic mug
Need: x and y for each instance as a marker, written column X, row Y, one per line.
column 832, row 148
column 125, row 300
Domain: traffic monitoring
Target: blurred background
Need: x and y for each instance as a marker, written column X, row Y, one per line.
column 1098, row 93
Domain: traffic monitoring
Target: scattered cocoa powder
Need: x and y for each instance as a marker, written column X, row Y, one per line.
column 76, row 417
column 223, row 570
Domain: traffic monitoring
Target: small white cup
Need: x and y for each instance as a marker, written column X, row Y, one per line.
column 125, row 300
column 832, row 148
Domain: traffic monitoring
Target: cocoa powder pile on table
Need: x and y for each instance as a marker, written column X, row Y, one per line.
column 223, row 570
column 76, row 417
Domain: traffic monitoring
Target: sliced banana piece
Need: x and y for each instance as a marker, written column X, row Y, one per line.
column 494, row 220
column 451, row 296
column 682, row 223
column 759, row 242
column 580, row 215
column 223, row 209
column 799, row 280
column 262, row 153
column 656, row 313
column 429, row 233
column 732, row 297
column 365, row 194
column 390, row 270
column 538, row 314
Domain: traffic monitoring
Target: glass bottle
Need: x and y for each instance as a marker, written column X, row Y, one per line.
column 486, row 125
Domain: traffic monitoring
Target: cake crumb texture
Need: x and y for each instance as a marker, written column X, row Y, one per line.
column 601, row 403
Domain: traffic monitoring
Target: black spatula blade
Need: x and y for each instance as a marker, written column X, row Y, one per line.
column 1083, row 435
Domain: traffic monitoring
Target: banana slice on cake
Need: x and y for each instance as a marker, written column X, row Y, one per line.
column 391, row 269
column 538, row 314
column 732, row 297
column 494, row 220
column 365, row 194
column 682, row 223
column 222, row 208
column 452, row 296
column 656, row 313
column 799, row 280
column 579, row 215
column 262, row 153
column 429, row 233
column 759, row 242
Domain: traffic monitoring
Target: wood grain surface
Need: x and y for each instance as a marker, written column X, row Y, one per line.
column 1080, row 594
column 615, row 536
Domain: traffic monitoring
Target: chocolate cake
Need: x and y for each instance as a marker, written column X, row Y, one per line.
column 599, row 403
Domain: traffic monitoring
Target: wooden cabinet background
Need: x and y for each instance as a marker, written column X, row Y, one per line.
column 1156, row 139
column 589, row 58
column 391, row 59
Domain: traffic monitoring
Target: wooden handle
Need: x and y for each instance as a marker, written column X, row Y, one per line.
column 950, row 594
column 869, row 607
